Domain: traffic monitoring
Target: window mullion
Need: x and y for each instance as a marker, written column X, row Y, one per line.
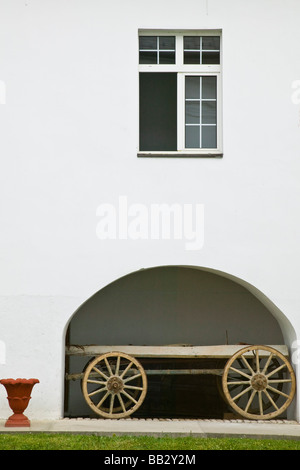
column 200, row 113
column 179, row 51
column 201, row 50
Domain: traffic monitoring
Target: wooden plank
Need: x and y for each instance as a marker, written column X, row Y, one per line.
column 217, row 352
column 218, row 372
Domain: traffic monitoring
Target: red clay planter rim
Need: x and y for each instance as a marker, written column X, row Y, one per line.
column 18, row 381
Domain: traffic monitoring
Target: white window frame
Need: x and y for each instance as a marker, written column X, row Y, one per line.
column 182, row 71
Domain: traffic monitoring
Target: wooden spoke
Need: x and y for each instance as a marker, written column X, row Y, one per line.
column 121, row 402
column 100, row 372
column 270, row 385
column 281, row 381
column 126, row 370
column 276, row 370
column 278, row 391
column 250, row 400
column 135, row 376
column 102, row 400
column 240, row 372
column 132, row 387
column 111, row 406
column 261, row 410
column 108, row 366
column 241, row 382
column 271, row 399
column 128, row 396
column 268, row 363
column 247, row 364
column 99, row 382
column 97, row 391
column 120, row 395
column 117, row 365
column 236, row 397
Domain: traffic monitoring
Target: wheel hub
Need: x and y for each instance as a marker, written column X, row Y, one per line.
column 259, row 382
column 114, row 384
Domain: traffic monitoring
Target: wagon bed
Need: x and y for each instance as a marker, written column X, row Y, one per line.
column 258, row 382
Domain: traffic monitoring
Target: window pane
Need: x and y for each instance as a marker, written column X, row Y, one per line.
column 167, row 42
column 192, row 87
column 191, row 42
column 158, row 111
column 148, row 42
column 209, row 112
column 209, row 137
column 148, row 57
column 192, row 112
column 209, row 87
column 211, row 42
column 192, row 136
column 208, row 47
column 191, row 57
column 167, row 57
column 210, row 58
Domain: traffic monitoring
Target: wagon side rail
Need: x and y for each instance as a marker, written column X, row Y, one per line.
column 172, row 351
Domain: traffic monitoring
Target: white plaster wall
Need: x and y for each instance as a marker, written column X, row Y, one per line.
column 69, row 136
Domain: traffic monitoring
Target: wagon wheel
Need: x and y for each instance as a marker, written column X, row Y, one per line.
column 237, row 387
column 116, row 408
column 114, row 385
column 260, row 385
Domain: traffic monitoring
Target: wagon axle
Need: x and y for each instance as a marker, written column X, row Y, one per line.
column 115, row 385
column 259, row 382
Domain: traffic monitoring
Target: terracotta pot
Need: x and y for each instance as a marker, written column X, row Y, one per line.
column 18, row 395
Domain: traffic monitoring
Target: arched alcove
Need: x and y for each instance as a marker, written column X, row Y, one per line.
column 163, row 306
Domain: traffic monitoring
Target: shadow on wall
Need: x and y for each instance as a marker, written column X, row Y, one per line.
column 170, row 305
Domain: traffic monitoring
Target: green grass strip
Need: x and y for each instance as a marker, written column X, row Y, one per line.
column 41, row 441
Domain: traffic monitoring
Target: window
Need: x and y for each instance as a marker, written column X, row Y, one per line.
column 180, row 93
column 157, row 49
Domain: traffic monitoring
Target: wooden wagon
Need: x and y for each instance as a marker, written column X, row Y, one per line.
column 258, row 382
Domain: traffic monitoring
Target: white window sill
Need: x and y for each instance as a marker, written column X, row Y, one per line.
column 175, row 154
